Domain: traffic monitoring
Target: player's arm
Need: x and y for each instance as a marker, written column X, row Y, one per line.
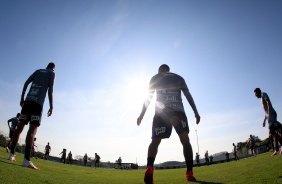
column 50, row 94
column 269, row 106
column 27, row 82
column 190, row 100
column 263, row 124
column 9, row 123
column 151, row 91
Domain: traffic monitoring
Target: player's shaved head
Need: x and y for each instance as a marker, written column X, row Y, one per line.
column 50, row 66
column 164, row 68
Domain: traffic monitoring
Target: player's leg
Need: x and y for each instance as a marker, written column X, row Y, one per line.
column 16, row 136
column 180, row 123
column 30, row 139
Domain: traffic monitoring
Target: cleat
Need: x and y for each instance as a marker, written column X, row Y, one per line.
column 274, row 153
column 12, row 157
column 148, row 178
column 7, row 149
column 29, row 164
column 189, row 176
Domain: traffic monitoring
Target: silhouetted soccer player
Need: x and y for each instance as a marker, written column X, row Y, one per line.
column 47, row 151
column 64, row 154
column 169, row 111
column 97, row 160
column 271, row 116
column 85, row 159
column 235, row 152
column 12, row 128
column 251, row 143
column 42, row 81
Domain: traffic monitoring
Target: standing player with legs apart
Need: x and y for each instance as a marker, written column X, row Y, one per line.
column 97, row 160
column 47, row 151
column 169, row 111
column 251, row 144
column 271, row 116
column 42, row 81
column 14, row 123
column 235, row 152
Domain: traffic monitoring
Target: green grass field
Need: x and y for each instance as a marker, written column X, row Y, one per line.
column 260, row 169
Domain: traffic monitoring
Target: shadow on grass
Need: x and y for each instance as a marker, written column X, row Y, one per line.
column 11, row 163
column 279, row 176
column 206, row 182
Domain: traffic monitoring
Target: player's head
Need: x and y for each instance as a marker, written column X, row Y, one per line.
column 51, row 66
column 251, row 135
column 257, row 93
column 163, row 68
column 233, row 144
column 18, row 115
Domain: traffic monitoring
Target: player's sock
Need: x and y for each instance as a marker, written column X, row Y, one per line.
column 189, row 165
column 27, row 153
column 150, row 161
column 12, row 148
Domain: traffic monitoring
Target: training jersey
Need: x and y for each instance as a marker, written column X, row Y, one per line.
column 14, row 123
column 265, row 97
column 47, row 148
column 234, row 149
column 168, row 87
column 42, row 80
column 252, row 141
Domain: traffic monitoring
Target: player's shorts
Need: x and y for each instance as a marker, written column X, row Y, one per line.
column 31, row 112
column 163, row 122
column 47, row 152
column 11, row 133
column 272, row 120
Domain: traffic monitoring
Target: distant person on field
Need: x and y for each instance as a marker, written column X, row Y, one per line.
column 227, row 156
column 42, row 81
column 207, row 157
column 197, row 158
column 251, row 143
column 12, row 128
column 85, row 158
column 211, row 159
column 97, row 160
column 169, row 112
column 70, row 157
column 47, row 151
column 64, row 154
column 235, row 152
column 119, row 163
column 271, row 116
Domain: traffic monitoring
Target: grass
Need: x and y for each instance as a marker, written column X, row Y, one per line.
column 260, row 169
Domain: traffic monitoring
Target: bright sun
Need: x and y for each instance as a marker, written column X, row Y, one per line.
column 136, row 90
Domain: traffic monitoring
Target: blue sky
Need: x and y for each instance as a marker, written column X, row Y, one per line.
column 106, row 52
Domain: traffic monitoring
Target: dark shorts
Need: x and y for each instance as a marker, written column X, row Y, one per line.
column 97, row 161
column 11, row 134
column 163, row 122
column 272, row 120
column 252, row 147
column 31, row 112
column 47, row 152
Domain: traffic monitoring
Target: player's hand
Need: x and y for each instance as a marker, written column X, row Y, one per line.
column 263, row 124
column 139, row 119
column 49, row 112
column 197, row 116
column 21, row 102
